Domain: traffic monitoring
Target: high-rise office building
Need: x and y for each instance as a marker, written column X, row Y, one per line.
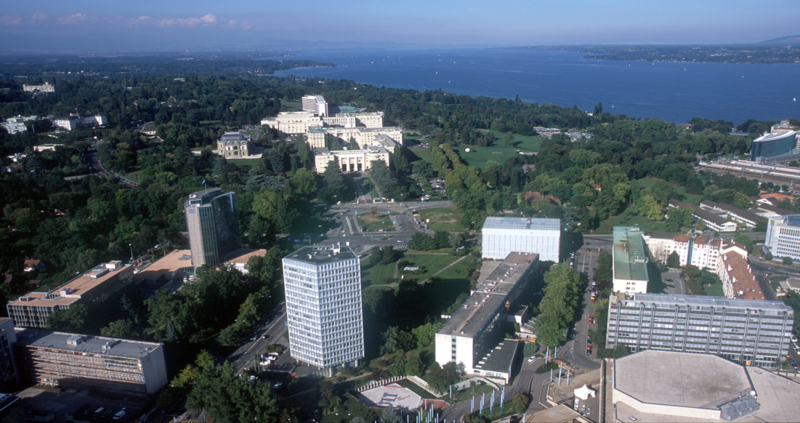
column 213, row 225
column 323, row 306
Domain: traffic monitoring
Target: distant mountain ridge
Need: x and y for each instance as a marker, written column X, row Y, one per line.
column 793, row 40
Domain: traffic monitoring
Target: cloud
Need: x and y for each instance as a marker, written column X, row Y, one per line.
column 74, row 18
column 204, row 20
column 38, row 16
column 10, row 20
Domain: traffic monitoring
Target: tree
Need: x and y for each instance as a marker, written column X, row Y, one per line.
column 508, row 138
column 413, row 363
column 389, row 416
column 761, row 226
column 425, row 334
column 768, row 256
column 701, row 225
column 520, row 402
column 69, row 320
column 788, row 261
column 304, row 183
column 352, row 144
column 123, row 328
column 400, row 161
column 674, row 261
column 440, row 378
column 562, row 288
column 391, row 340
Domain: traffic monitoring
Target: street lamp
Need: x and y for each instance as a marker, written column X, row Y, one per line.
column 131, row 247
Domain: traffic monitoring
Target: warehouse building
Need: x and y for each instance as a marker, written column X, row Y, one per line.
column 502, row 235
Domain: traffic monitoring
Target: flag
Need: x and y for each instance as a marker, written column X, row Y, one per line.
column 204, row 182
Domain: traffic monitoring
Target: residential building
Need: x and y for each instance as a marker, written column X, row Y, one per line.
column 44, row 88
column 752, row 332
column 316, row 104
column 213, row 225
column 629, row 261
column 737, row 277
column 503, row 235
column 471, row 335
column 95, row 286
column 790, row 284
column 750, row 219
column 711, row 220
column 660, row 244
column 81, row 361
column 350, row 160
column 233, row 145
column 16, row 124
column 323, row 306
column 783, row 236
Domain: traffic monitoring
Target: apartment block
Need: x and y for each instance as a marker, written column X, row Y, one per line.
column 95, row 286
column 629, row 264
column 752, row 332
column 109, row 364
column 783, row 236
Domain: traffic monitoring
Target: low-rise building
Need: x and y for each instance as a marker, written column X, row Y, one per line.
column 629, row 264
column 478, row 326
column 44, row 88
column 712, row 221
column 95, row 286
column 78, row 121
column 750, row 219
column 350, row 160
column 752, row 332
column 81, row 361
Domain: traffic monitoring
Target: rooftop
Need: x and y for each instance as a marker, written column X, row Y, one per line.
column 680, row 379
column 733, row 209
column 773, row 137
column 168, row 264
column 669, row 300
column 522, row 223
column 241, row 256
column 490, row 295
column 74, row 288
column 499, row 358
column 322, row 255
column 630, row 259
column 85, row 343
column 744, row 283
column 777, row 396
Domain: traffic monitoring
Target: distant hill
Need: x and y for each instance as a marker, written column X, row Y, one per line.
column 791, row 40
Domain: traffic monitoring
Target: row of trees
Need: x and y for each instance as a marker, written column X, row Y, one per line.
column 561, row 300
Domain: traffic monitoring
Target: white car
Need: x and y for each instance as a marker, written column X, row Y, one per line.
column 532, row 359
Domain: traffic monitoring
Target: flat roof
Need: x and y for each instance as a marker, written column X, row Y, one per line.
column 558, row 414
column 630, row 259
column 170, row 263
column 527, row 223
column 91, row 344
column 707, row 301
column 484, row 302
column 680, row 379
column 777, row 395
column 322, row 255
column 241, row 256
column 499, row 358
column 77, row 286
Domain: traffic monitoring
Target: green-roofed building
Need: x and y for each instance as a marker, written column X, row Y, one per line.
column 630, row 260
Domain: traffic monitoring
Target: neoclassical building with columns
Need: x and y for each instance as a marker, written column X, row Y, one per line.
column 350, row 160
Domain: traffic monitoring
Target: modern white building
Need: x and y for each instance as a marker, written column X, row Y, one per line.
column 44, row 88
column 471, row 337
column 783, row 236
column 502, row 235
column 350, row 160
column 323, row 306
column 629, row 260
column 316, row 104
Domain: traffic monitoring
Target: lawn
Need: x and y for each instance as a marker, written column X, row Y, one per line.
column 381, row 221
column 443, row 219
column 245, row 162
column 714, row 290
column 422, row 153
column 375, row 275
column 291, row 106
column 644, row 224
column 498, row 152
column 429, row 264
column 457, row 271
column 352, row 408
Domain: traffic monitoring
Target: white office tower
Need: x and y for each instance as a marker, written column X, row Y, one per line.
column 316, row 104
column 323, row 306
column 502, row 235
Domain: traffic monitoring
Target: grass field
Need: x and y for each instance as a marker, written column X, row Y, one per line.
column 245, row 162
column 498, row 152
column 422, row 153
column 714, row 290
column 375, row 275
column 644, row 224
column 443, row 219
column 458, row 271
column 291, row 106
column 429, row 263
column 382, row 221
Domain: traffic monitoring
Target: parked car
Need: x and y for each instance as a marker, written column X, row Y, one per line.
column 591, row 319
column 588, row 350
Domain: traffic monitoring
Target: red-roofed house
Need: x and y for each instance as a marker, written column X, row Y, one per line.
column 31, row 265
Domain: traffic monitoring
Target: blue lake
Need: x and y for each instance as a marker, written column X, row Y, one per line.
column 674, row 92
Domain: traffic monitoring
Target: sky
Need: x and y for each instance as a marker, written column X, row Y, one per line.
column 81, row 26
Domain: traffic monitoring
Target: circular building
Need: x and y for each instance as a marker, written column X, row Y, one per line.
column 699, row 386
column 774, row 145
